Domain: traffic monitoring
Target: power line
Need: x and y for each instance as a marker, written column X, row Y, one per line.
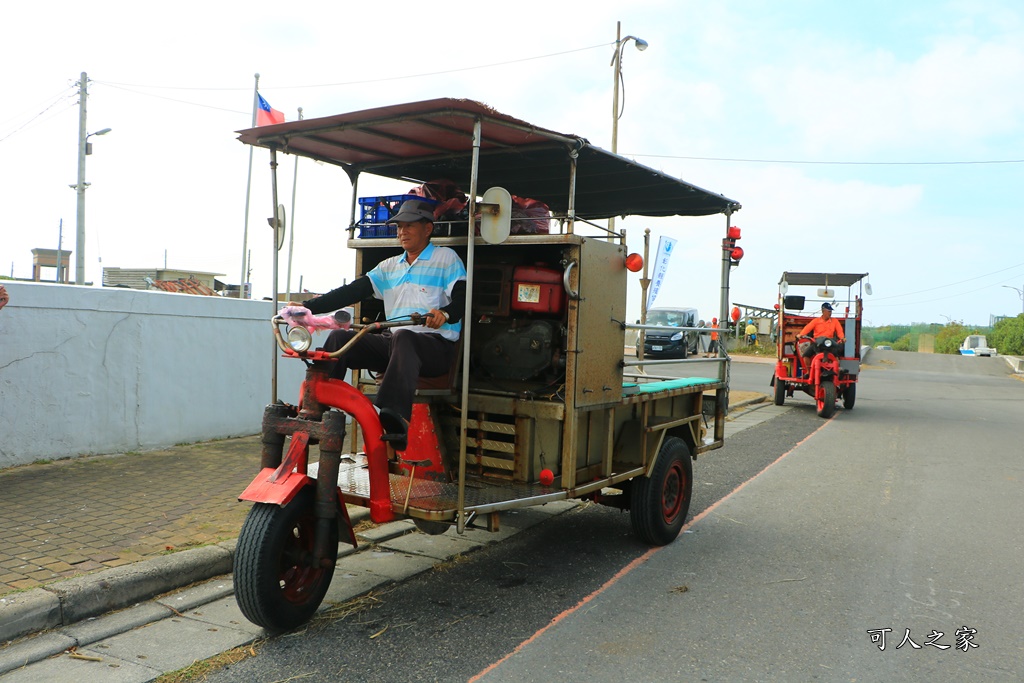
column 55, row 96
column 376, row 79
column 37, row 118
column 169, row 99
column 834, row 163
column 952, row 284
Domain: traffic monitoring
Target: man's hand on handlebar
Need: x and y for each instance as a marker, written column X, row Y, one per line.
column 434, row 319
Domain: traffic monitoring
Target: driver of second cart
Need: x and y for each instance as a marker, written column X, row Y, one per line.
column 824, row 326
column 424, row 278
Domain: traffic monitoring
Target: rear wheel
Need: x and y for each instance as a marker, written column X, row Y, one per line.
column 827, row 405
column 277, row 584
column 659, row 503
column 850, row 396
column 780, row 392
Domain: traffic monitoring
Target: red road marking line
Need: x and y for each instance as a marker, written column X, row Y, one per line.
column 637, row 562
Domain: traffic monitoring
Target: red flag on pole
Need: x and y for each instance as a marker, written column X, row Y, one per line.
column 267, row 115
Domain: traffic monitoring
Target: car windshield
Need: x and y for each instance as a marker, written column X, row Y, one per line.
column 670, row 318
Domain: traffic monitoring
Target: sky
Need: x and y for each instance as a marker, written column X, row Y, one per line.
column 869, row 137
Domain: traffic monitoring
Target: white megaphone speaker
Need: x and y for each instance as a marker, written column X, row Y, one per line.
column 496, row 215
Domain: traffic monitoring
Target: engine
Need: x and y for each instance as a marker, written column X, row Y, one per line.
column 521, row 352
column 518, row 333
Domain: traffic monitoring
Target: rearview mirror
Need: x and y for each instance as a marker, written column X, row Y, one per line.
column 793, row 302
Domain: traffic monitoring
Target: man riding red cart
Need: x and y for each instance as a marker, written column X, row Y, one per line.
column 819, row 355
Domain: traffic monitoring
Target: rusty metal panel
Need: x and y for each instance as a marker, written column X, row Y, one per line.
column 595, row 333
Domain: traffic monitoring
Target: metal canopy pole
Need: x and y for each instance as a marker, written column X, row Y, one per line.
column 723, row 370
column 273, row 302
column 460, row 514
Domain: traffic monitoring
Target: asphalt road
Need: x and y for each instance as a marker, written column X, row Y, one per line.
column 904, row 513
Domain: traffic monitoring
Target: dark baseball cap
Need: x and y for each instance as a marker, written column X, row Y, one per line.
column 413, row 210
column 826, row 306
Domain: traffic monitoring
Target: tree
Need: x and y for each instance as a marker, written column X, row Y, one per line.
column 950, row 337
column 1008, row 336
column 903, row 343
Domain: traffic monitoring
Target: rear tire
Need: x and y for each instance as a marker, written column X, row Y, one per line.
column 276, row 586
column 827, row 406
column 780, row 392
column 659, row 503
column 850, row 396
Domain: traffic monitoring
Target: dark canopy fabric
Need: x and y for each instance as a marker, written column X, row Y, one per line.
column 831, row 279
column 424, row 141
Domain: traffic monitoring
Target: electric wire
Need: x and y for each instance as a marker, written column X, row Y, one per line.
column 55, row 96
column 170, row 99
column 951, row 284
column 834, row 163
column 37, row 119
column 379, row 79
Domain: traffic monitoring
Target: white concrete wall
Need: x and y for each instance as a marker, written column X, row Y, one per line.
column 88, row 370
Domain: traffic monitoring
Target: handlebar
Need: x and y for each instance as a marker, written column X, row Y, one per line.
column 277, row 321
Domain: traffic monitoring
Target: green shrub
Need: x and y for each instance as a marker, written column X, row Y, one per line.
column 951, row 337
column 1008, row 336
column 907, row 342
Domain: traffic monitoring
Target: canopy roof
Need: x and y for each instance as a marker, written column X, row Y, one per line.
column 430, row 140
column 814, row 279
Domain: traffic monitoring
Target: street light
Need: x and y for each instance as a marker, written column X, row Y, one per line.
column 620, row 44
column 1020, row 293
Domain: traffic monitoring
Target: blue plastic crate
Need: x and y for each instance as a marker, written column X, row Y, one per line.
column 374, row 213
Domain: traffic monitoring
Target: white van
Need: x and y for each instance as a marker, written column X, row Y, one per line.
column 976, row 345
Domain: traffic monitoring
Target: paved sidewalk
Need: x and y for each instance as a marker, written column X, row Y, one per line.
column 72, row 517
column 84, row 538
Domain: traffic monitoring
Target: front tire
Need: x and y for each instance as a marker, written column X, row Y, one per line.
column 827, row 405
column 659, row 503
column 276, row 585
column 849, row 396
column 780, row 392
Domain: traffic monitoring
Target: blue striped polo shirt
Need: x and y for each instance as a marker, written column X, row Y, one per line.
column 418, row 287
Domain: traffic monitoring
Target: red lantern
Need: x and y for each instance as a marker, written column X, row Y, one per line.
column 634, row 262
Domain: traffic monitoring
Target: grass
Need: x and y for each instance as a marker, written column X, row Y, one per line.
column 763, row 351
column 198, row 671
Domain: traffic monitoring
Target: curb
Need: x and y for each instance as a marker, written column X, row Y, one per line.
column 90, row 595
column 748, row 402
column 84, row 597
column 1016, row 364
column 44, row 604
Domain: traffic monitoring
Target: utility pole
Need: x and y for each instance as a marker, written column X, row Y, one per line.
column 84, row 148
column 60, row 242
column 83, row 94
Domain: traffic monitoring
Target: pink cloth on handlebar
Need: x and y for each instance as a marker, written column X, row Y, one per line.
column 299, row 316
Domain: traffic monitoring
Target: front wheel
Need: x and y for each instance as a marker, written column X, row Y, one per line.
column 827, row 404
column 780, row 392
column 659, row 503
column 278, row 584
column 849, row 396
